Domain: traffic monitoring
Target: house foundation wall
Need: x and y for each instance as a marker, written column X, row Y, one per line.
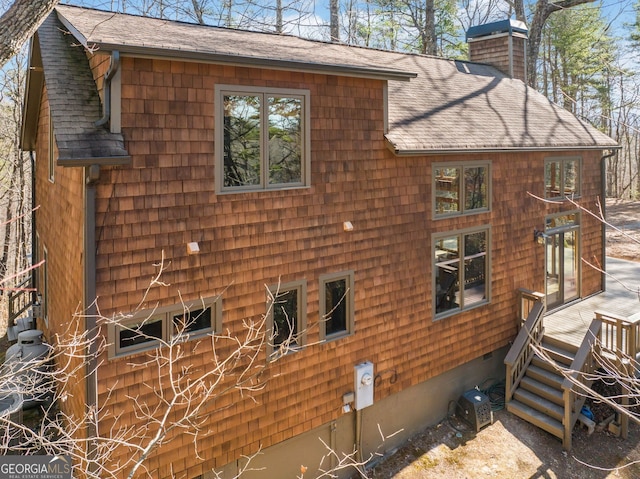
column 399, row 417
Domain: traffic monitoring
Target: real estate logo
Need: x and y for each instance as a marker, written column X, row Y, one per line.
column 35, row 467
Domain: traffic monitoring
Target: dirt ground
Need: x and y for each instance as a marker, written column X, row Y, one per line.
column 623, row 242
column 511, row 448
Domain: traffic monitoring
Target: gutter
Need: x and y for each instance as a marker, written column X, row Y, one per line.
column 603, row 205
column 494, row 149
column 106, row 104
column 91, row 174
column 34, row 294
column 259, row 62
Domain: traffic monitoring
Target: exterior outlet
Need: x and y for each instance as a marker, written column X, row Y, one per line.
column 363, row 386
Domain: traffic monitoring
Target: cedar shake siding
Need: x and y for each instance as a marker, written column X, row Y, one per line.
column 379, row 123
column 247, row 240
column 59, row 219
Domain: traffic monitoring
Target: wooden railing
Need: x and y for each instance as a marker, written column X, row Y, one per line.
column 577, row 382
column 20, row 299
column 529, row 337
column 528, row 299
column 620, row 342
column 620, row 336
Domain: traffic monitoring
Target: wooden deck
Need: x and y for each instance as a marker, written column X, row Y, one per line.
column 569, row 324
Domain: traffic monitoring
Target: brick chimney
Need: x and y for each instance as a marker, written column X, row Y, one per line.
column 501, row 44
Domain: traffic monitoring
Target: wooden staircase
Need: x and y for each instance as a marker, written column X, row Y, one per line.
column 547, row 380
column 539, row 397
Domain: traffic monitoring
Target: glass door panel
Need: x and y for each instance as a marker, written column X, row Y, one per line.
column 552, row 255
column 563, row 267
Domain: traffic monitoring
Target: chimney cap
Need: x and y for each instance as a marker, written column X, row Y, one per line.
column 503, row 26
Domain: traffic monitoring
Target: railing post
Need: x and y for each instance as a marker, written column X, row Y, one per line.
column 567, row 421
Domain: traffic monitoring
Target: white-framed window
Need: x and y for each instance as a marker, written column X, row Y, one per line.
column 52, row 159
column 262, row 139
column 562, row 177
column 150, row 328
column 336, row 305
column 461, row 270
column 286, row 317
column 461, row 188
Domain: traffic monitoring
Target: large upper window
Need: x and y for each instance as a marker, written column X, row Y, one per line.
column 286, row 318
column 461, row 188
column 148, row 329
column 262, row 139
column 461, row 270
column 561, row 177
column 336, row 305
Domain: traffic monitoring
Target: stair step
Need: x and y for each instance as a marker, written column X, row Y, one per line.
column 541, row 420
column 543, row 390
column 558, row 353
column 548, row 365
column 557, row 343
column 539, row 404
column 545, row 376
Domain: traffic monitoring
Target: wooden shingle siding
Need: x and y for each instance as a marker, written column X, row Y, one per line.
column 63, row 238
column 166, row 199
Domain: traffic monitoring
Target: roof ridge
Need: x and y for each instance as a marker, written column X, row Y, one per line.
column 268, row 33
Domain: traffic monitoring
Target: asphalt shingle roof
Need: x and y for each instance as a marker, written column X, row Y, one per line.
column 74, row 101
column 435, row 105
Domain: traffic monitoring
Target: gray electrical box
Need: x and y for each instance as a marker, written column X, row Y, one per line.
column 475, row 408
column 363, row 378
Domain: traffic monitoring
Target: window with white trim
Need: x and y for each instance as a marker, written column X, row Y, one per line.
column 336, row 305
column 150, row 328
column 286, row 317
column 262, row 139
column 462, row 188
column 562, row 177
column 461, row 270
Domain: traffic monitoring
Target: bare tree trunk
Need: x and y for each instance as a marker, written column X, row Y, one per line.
column 334, row 20
column 19, row 23
column 430, row 45
column 278, row 16
column 541, row 12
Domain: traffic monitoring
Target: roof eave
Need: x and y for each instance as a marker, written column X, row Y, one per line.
column 32, row 97
column 506, row 149
column 236, row 60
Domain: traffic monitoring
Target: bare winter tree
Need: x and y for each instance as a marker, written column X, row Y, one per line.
column 19, row 22
column 179, row 402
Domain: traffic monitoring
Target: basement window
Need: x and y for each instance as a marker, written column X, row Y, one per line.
column 152, row 328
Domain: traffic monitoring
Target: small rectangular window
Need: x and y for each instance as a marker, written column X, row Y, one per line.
column 461, row 189
column 150, row 328
column 263, row 139
column 192, row 321
column 461, row 265
column 561, row 177
column 286, row 317
column 336, row 305
column 140, row 333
